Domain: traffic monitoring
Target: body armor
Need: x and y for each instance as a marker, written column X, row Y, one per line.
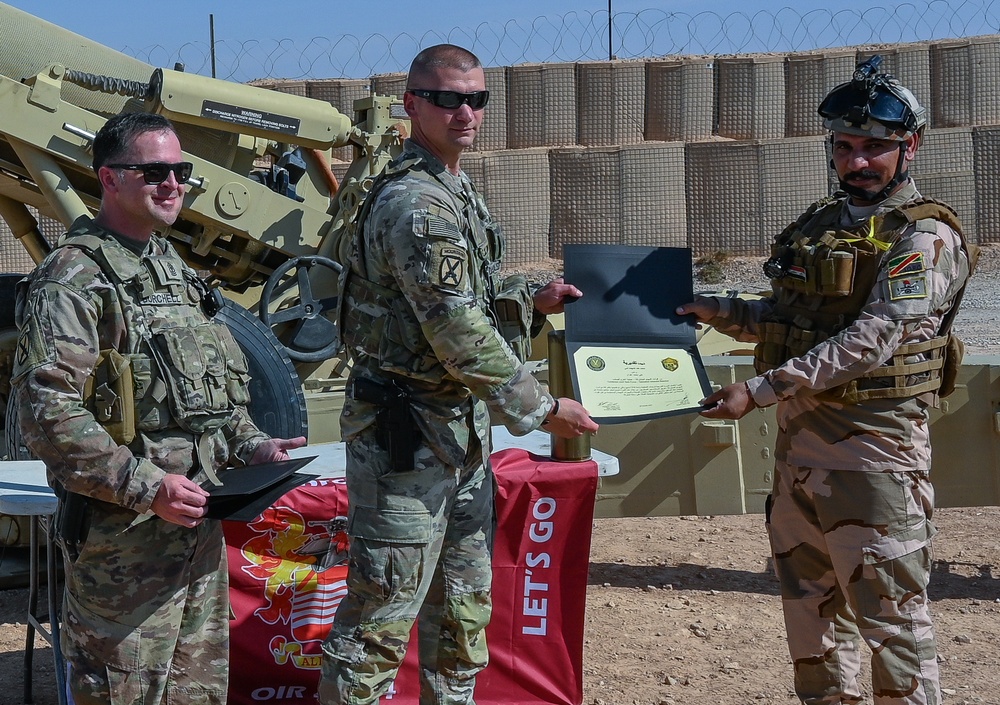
column 822, row 276
column 180, row 368
column 379, row 322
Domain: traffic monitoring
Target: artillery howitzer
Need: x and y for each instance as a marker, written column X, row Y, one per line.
column 262, row 214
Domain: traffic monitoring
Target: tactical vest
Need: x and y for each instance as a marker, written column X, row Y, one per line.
column 180, row 368
column 822, row 276
column 379, row 321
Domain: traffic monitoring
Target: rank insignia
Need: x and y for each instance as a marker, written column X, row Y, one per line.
column 669, row 364
column 907, row 288
column 910, row 263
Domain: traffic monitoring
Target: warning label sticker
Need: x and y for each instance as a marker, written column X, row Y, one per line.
column 250, row 118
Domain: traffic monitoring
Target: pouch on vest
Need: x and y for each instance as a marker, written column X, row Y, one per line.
column 109, row 394
column 205, row 372
column 513, row 306
column 953, row 353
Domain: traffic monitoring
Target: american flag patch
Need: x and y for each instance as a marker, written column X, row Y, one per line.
column 910, row 263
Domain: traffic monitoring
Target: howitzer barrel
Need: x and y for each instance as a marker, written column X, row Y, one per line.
column 30, row 44
column 234, row 107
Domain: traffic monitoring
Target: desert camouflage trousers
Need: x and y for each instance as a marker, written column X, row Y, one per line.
column 852, row 554
column 420, row 546
column 146, row 613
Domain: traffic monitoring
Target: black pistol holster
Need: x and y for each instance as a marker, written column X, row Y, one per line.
column 395, row 430
column 72, row 522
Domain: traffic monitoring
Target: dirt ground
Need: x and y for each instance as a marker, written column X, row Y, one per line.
column 685, row 611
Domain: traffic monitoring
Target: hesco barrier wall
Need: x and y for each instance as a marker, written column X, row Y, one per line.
column 717, row 153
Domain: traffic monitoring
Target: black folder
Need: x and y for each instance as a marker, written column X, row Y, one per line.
column 247, row 491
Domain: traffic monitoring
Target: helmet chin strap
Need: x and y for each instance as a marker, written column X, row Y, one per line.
column 881, row 195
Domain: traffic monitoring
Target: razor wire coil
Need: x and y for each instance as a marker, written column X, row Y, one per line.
column 583, row 36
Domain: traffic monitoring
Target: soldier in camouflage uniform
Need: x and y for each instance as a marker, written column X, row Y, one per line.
column 851, row 346
column 133, row 397
column 421, row 320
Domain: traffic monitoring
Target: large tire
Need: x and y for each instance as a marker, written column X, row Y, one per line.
column 8, row 290
column 277, row 402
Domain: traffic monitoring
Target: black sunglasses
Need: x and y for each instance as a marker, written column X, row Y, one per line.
column 156, row 173
column 451, row 100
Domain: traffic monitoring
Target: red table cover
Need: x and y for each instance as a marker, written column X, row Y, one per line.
column 287, row 573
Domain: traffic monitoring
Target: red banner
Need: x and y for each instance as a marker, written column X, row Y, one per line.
column 287, row 575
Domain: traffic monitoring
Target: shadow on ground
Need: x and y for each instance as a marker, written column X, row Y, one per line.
column 949, row 579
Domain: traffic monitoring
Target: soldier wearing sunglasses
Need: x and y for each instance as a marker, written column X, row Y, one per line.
column 133, row 397
column 427, row 320
column 855, row 346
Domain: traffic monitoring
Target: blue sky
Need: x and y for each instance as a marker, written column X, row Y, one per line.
column 255, row 37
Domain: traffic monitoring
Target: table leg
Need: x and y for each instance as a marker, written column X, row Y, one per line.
column 29, row 644
column 55, row 615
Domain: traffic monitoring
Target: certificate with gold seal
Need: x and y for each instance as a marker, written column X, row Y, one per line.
column 637, row 382
column 631, row 357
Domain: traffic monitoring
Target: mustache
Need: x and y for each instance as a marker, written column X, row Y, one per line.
column 863, row 174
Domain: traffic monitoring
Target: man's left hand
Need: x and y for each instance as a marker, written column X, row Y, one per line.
column 732, row 402
column 274, row 449
column 552, row 297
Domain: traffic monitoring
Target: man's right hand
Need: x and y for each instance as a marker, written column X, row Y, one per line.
column 180, row 501
column 571, row 420
column 704, row 308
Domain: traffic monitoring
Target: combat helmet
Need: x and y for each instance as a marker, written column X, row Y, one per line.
column 873, row 104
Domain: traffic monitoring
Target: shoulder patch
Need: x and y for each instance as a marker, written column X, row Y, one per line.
column 35, row 345
column 910, row 263
column 447, row 266
column 907, row 288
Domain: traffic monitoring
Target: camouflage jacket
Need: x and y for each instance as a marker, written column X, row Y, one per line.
column 877, row 434
column 429, row 253
column 71, row 310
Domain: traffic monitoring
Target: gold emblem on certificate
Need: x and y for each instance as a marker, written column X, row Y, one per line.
column 596, row 363
column 670, row 364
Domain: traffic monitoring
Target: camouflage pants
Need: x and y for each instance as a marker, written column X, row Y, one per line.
column 146, row 613
column 420, row 545
column 852, row 554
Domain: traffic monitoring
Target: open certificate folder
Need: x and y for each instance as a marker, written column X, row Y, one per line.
column 631, row 357
column 247, row 491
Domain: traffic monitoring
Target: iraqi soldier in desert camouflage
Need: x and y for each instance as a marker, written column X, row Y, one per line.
column 423, row 309
column 133, row 397
column 852, row 347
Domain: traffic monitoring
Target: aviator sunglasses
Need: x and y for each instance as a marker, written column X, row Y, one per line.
column 450, row 100
column 155, row 173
